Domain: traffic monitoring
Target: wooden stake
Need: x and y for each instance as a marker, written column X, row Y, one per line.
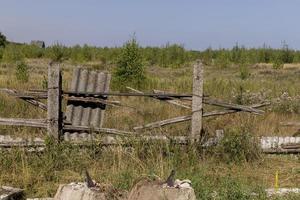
column 54, row 114
column 197, row 107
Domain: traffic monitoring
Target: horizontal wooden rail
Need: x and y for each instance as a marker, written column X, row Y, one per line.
column 189, row 117
column 158, row 95
column 38, row 123
column 93, row 100
column 99, row 130
column 170, row 100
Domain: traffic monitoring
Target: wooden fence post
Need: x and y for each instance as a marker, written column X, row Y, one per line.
column 54, row 114
column 197, row 108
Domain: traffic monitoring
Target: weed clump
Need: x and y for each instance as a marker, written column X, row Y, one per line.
column 237, row 146
column 278, row 64
column 22, row 73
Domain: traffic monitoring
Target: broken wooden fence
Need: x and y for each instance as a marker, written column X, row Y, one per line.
column 87, row 98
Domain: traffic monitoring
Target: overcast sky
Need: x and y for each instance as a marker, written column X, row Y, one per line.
column 197, row 24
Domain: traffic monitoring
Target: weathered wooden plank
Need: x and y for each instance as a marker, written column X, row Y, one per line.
column 189, row 117
column 126, row 94
column 36, row 103
column 197, row 107
column 54, row 114
column 164, row 122
column 229, row 111
column 38, row 123
column 174, row 102
column 32, row 101
column 97, row 130
column 32, row 96
column 232, row 106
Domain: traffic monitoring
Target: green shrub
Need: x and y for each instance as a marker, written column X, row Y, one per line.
column 278, row 64
column 58, row 52
column 232, row 190
column 237, row 146
column 22, row 73
column 130, row 67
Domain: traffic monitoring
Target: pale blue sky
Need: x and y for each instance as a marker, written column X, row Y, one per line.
column 195, row 23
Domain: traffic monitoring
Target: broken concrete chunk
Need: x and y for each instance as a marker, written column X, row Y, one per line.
column 147, row 190
column 10, row 193
column 80, row 191
column 281, row 191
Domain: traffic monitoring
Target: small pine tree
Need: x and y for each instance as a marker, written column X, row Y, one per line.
column 130, row 67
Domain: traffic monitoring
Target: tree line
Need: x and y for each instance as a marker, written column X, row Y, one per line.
column 169, row 55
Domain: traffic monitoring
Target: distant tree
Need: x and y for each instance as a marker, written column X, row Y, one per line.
column 2, row 40
column 286, row 54
column 236, row 54
column 130, row 67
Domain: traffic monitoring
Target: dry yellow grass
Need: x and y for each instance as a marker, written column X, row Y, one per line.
column 120, row 166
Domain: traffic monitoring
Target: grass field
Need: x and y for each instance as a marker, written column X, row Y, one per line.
column 41, row 173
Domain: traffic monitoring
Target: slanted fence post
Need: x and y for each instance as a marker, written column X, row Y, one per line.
column 54, row 114
column 197, row 108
